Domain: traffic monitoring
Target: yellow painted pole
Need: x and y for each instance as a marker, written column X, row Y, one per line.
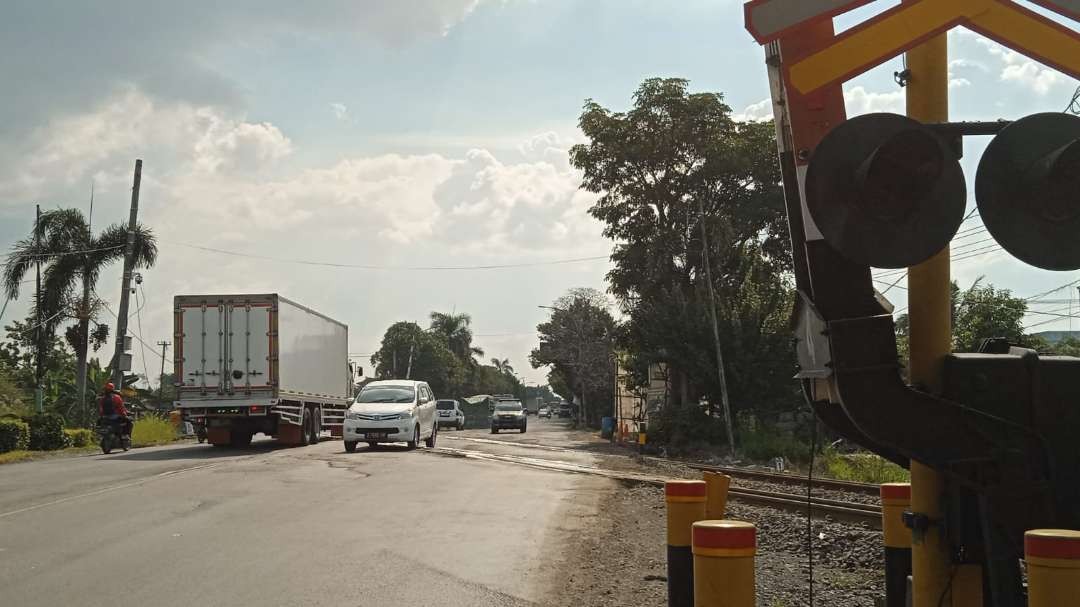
column 934, row 581
column 685, row 506
column 895, row 499
column 1053, row 566
column 724, row 563
column 717, row 485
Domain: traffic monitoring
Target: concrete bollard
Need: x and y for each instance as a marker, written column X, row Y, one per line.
column 716, row 494
column 685, row 506
column 724, row 563
column 895, row 499
column 1053, row 566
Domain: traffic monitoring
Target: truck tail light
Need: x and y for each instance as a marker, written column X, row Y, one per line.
column 256, row 409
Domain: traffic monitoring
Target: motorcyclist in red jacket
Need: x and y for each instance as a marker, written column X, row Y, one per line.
column 111, row 407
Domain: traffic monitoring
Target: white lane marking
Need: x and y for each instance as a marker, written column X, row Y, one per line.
column 141, row 481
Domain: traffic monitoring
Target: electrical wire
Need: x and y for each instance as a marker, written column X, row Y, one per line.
column 329, row 264
column 63, row 253
column 167, row 360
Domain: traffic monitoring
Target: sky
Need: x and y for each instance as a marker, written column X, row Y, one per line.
column 396, row 134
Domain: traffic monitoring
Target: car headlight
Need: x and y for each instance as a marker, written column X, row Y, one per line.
column 406, row 414
column 352, row 415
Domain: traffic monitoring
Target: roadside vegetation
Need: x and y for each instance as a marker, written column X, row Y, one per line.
column 152, row 430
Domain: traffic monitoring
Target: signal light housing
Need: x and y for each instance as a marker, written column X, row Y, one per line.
column 885, row 190
column 1028, row 190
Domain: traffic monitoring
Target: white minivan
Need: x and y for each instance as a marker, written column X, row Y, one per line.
column 392, row 411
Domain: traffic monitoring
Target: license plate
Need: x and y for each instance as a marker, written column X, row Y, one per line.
column 376, row 435
column 444, row 414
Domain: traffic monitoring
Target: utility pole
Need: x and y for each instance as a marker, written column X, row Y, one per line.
column 408, row 370
column 39, row 368
column 716, row 330
column 125, row 290
column 84, row 314
column 161, row 378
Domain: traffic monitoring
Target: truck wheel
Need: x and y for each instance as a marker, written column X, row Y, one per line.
column 305, row 428
column 415, row 438
column 350, row 446
column 429, row 442
column 522, row 430
column 494, row 430
column 315, row 422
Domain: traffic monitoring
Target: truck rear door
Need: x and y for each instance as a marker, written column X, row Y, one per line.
column 225, row 347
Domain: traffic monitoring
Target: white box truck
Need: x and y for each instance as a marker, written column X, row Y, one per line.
column 246, row 364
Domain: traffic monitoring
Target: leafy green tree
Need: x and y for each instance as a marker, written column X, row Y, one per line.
column 73, row 258
column 456, row 332
column 578, row 342
column 672, row 167
column 502, row 365
column 983, row 311
column 409, row 352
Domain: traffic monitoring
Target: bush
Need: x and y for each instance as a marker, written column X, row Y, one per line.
column 79, row 437
column 862, row 467
column 152, row 430
column 14, row 435
column 47, row 432
column 682, row 429
column 765, row 445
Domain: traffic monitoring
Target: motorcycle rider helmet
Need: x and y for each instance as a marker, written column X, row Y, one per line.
column 109, row 387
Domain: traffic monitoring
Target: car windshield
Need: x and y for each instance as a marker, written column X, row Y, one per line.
column 386, row 394
column 444, row 404
column 508, row 406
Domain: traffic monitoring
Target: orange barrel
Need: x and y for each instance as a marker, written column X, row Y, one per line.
column 685, row 506
column 1053, row 566
column 724, row 563
column 895, row 500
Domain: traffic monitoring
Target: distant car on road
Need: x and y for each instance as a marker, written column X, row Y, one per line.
column 508, row 414
column 450, row 413
column 392, row 411
column 545, row 411
column 565, row 411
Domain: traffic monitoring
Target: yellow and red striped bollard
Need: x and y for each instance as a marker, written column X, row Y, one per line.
column 685, row 506
column 895, row 499
column 724, row 563
column 1053, row 567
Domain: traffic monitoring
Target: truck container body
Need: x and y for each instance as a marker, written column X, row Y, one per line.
column 259, row 363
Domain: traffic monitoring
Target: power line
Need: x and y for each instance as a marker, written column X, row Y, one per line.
column 104, row 303
column 392, row 268
column 138, row 317
column 63, row 253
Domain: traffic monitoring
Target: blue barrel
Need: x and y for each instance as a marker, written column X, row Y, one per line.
column 607, row 427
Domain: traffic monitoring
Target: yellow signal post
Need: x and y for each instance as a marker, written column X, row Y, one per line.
column 724, row 563
column 685, row 506
column 929, row 306
column 717, row 485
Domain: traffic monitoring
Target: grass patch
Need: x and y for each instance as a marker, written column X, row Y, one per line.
column 22, row 455
column 863, row 468
column 152, row 431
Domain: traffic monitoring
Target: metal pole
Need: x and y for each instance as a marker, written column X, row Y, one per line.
column 161, row 377
column 39, row 368
column 716, row 330
column 934, row 581
column 125, row 289
column 84, row 314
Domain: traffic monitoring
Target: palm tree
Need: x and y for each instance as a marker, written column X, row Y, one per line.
column 72, row 257
column 502, row 366
column 454, row 329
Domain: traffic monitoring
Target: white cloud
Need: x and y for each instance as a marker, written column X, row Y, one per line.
column 341, row 112
column 956, row 83
column 1018, row 69
column 762, row 110
column 860, row 101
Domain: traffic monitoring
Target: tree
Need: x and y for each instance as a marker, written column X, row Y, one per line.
column 982, row 312
column 409, row 352
column 503, row 366
column 578, row 341
column 73, row 259
column 673, row 167
column 455, row 331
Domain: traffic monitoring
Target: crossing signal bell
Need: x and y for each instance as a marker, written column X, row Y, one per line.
column 1028, row 190
column 885, row 190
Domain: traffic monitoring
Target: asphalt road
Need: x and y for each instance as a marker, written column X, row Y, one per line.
column 193, row 525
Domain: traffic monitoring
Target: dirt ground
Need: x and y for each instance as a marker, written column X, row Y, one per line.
column 619, row 557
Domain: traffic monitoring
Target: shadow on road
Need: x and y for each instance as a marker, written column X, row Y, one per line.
column 194, row 452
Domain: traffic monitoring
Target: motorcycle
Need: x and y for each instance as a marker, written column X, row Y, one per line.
column 111, row 435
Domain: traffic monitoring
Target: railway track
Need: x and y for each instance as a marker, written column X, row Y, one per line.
column 851, row 512
column 791, row 479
